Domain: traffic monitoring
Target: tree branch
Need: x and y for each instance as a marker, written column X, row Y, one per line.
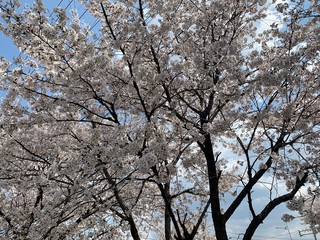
column 257, row 220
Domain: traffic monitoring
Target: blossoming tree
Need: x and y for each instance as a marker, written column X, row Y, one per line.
column 162, row 124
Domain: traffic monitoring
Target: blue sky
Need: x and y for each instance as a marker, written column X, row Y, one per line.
column 273, row 227
column 7, row 48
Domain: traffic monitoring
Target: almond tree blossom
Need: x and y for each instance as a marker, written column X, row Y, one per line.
column 125, row 133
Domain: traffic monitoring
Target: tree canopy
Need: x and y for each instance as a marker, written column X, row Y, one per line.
column 161, row 124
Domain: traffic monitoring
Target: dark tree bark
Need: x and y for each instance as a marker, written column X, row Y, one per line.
column 167, row 219
column 217, row 217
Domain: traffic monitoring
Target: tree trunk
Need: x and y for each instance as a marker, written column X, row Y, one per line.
column 134, row 230
column 217, row 217
column 167, row 219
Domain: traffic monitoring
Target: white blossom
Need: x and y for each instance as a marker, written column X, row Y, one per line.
column 162, row 118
